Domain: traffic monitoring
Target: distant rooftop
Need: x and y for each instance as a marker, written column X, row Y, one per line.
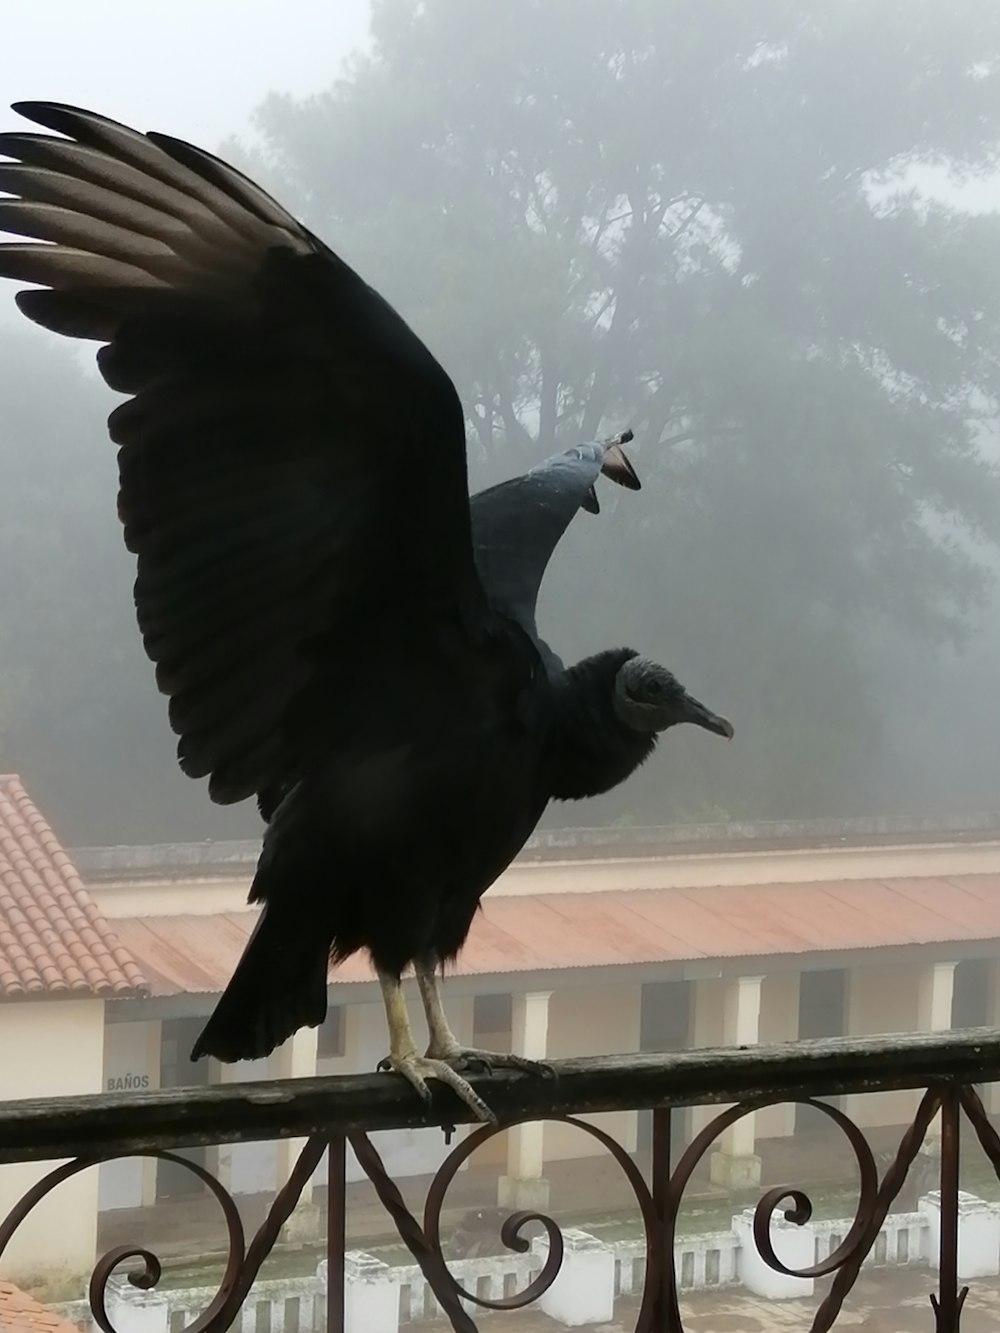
column 235, row 858
column 53, row 939
column 543, row 932
column 21, row 1313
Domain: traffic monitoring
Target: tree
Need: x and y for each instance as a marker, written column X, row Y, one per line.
column 610, row 212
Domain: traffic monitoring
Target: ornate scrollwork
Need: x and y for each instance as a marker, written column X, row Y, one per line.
column 425, row 1242
column 874, row 1200
column 659, row 1207
column 148, row 1276
column 801, row 1207
column 242, row 1262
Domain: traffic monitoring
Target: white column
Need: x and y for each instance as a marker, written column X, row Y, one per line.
column 524, row 1185
column 584, row 1289
column 132, row 1310
column 707, row 997
column 991, row 1092
column 934, row 996
column 294, row 1058
column 856, row 1024
column 779, row 1022
column 371, row 1294
column 220, row 1073
column 735, row 1164
column 795, row 1248
column 978, row 1234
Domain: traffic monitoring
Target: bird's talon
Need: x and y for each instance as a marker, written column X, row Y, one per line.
column 417, row 1069
column 490, row 1061
column 478, row 1063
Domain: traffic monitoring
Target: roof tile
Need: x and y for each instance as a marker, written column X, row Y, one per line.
column 21, row 1313
column 53, row 938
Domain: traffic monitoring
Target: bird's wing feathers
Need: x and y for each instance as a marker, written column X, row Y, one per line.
column 517, row 524
column 292, row 457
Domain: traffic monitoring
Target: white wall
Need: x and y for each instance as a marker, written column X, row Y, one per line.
column 51, row 1048
column 247, row 1168
column 131, row 1062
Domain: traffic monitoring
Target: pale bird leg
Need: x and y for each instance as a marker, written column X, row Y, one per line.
column 444, row 1045
column 417, row 1069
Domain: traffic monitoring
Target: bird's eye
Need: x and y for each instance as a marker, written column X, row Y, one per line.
column 655, row 689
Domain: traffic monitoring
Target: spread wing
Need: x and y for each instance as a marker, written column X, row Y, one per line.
column 292, row 457
column 517, row 524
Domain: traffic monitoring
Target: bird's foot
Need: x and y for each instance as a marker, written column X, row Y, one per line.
column 470, row 1058
column 417, row 1069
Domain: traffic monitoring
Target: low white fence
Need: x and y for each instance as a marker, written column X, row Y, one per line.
column 380, row 1298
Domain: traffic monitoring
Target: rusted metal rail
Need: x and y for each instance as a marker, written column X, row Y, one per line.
column 333, row 1113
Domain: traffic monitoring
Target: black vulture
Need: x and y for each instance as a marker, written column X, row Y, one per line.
column 340, row 633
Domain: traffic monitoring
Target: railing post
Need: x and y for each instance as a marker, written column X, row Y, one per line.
column 134, row 1311
column 661, row 1167
column 336, row 1231
column 949, row 1302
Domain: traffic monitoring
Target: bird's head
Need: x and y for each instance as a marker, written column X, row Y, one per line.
column 648, row 698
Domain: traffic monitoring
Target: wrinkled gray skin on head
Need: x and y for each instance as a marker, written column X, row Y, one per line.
column 648, row 698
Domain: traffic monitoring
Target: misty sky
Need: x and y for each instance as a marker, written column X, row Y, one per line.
column 198, row 69
column 193, row 68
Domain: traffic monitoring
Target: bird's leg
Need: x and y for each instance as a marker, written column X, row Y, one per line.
column 444, row 1045
column 417, row 1069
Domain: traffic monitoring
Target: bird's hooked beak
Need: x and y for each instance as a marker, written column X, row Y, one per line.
column 701, row 716
column 616, row 464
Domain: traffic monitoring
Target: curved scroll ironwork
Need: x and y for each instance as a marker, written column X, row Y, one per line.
column 242, row 1262
column 148, row 1276
column 659, row 1305
column 430, row 1259
column 801, row 1210
column 510, row 1232
column 874, row 1201
column 424, row 1242
column 658, row 1206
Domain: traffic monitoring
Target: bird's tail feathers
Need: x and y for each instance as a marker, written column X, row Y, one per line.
column 279, row 986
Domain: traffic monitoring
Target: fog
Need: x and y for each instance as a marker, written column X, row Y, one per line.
column 776, row 259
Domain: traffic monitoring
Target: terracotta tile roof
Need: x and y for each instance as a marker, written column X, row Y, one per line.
column 53, row 939
column 541, row 932
column 20, row 1313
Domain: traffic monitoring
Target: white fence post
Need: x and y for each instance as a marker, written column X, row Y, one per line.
column 584, row 1289
column 794, row 1246
column 132, row 1310
column 978, row 1234
column 377, row 1296
column 371, row 1293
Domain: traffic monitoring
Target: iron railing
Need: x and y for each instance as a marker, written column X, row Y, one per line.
column 332, row 1113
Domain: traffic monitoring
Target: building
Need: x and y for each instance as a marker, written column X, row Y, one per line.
column 610, row 943
column 60, row 965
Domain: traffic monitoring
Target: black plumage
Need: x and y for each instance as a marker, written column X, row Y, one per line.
column 340, row 633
